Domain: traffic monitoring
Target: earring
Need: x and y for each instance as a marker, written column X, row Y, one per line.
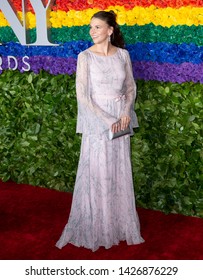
column 109, row 38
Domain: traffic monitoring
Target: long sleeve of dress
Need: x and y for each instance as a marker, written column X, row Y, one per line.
column 129, row 88
column 91, row 117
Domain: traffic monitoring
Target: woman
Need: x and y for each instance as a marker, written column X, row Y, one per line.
column 103, row 208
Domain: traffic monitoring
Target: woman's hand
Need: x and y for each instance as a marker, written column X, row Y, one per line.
column 122, row 124
column 116, row 127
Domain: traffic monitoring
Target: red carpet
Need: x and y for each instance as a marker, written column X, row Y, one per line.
column 32, row 218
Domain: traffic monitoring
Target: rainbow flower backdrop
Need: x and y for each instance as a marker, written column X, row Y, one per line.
column 164, row 38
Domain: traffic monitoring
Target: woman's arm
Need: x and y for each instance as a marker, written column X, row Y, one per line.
column 129, row 89
column 83, row 94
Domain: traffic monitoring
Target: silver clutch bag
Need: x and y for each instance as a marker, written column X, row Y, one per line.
column 118, row 134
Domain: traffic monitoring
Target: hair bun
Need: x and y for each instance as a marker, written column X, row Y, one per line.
column 113, row 13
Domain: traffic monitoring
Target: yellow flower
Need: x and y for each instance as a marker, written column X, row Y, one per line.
column 197, row 16
column 3, row 20
column 31, row 20
column 61, row 14
column 56, row 18
column 67, row 21
column 136, row 12
column 79, row 18
column 131, row 18
column 90, row 12
column 144, row 15
column 121, row 18
column 119, row 9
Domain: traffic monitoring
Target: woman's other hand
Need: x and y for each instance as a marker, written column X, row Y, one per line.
column 122, row 124
column 116, row 127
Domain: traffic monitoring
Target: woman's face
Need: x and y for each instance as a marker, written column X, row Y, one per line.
column 100, row 31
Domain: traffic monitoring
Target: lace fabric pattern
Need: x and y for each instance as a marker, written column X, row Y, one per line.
column 103, row 210
column 100, row 81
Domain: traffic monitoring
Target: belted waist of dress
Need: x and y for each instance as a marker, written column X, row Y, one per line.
column 115, row 97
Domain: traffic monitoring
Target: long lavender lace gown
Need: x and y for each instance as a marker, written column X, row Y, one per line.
column 103, row 209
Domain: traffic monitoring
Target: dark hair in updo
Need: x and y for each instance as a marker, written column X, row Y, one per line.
column 110, row 18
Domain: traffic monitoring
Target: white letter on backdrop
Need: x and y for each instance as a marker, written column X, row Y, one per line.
column 20, row 28
column 1, row 63
column 26, row 63
column 42, row 13
column 10, row 58
column 11, row 15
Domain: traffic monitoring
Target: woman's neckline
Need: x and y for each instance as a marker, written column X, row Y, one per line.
column 100, row 55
